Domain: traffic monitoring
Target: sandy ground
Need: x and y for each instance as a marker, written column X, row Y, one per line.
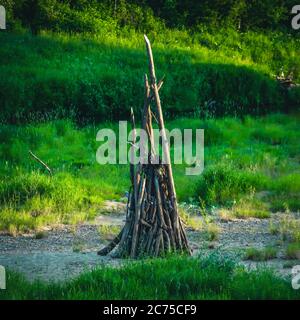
column 65, row 252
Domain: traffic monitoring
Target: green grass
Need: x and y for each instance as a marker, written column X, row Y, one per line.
column 171, row 278
column 108, row 232
column 251, row 164
column 33, row 200
column 263, row 254
column 293, row 250
column 247, row 207
column 288, row 227
column 239, row 166
column 250, row 207
column 98, row 77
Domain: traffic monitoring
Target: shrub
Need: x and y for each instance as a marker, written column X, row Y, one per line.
column 212, row 231
column 31, row 200
column 250, row 208
column 293, row 251
column 260, row 254
column 221, row 184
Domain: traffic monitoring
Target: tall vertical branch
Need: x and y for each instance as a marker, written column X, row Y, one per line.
column 152, row 225
column 165, row 143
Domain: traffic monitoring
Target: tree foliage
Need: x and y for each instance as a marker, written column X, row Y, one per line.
column 84, row 15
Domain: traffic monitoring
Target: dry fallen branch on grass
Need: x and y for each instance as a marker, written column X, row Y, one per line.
column 153, row 226
column 40, row 161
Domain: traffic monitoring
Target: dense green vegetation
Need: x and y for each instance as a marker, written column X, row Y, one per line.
column 172, row 278
column 242, row 159
column 95, row 73
column 69, row 68
column 145, row 15
column 99, row 78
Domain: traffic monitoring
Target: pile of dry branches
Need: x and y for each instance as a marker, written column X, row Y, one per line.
column 153, row 226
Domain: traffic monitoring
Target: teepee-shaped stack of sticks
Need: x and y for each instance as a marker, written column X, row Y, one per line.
column 153, row 226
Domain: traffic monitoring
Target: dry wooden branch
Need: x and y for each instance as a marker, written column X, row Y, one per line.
column 165, row 143
column 137, row 217
column 40, row 161
column 112, row 245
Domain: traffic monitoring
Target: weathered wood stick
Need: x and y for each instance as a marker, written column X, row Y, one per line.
column 144, row 208
column 159, row 205
column 167, row 242
column 137, row 217
column 165, row 144
column 153, row 212
column 147, row 115
column 162, row 244
column 146, row 223
column 185, row 240
column 146, row 101
column 159, row 85
column 150, row 239
column 158, row 242
column 111, row 245
column 144, row 155
column 125, row 239
column 150, row 134
column 132, row 173
column 122, row 237
column 40, row 161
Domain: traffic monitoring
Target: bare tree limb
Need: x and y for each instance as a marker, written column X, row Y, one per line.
column 165, row 144
column 41, row 162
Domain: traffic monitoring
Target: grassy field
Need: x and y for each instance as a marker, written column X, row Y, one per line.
column 98, row 77
column 251, row 168
column 70, row 71
column 175, row 277
column 57, row 90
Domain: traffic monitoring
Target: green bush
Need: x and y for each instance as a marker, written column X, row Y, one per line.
column 263, row 254
column 73, row 15
column 220, row 184
column 293, row 251
column 31, row 200
column 286, row 193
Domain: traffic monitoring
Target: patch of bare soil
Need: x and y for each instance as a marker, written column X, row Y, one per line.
column 238, row 235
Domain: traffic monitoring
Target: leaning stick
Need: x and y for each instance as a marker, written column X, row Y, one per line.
column 159, row 85
column 126, row 229
column 146, row 101
column 40, row 161
column 147, row 114
column 159, row 205
column 137, row 217
column 111, row 245
column 132, row 177
column 165, row 144
column 134, row 172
